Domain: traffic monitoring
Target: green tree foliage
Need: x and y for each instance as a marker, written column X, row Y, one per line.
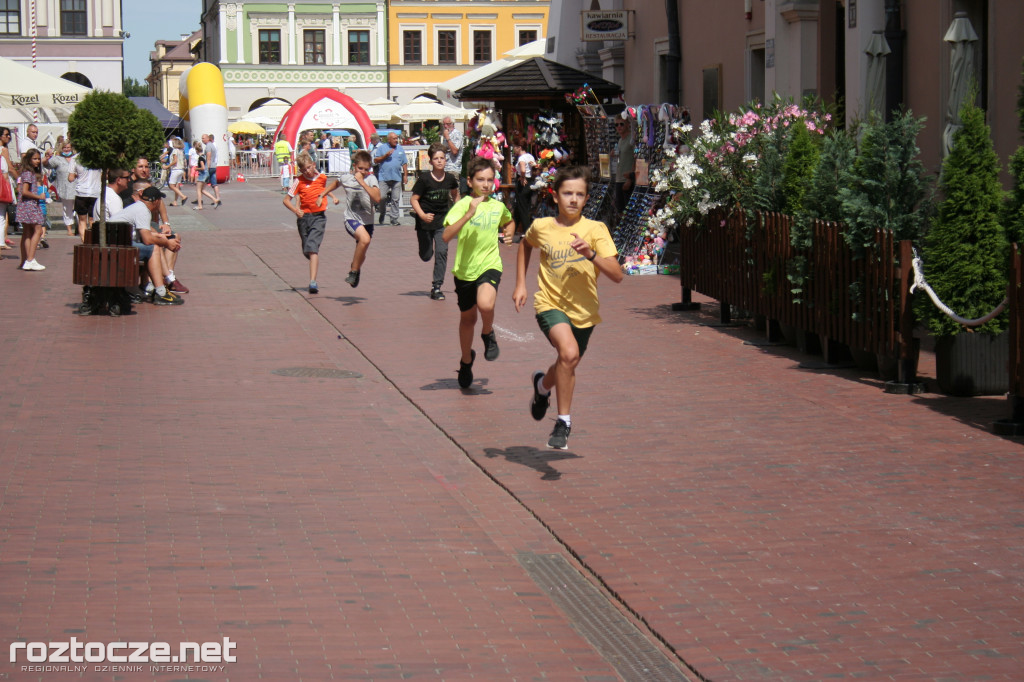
column 133, row 88
column 1013, row 211
column 886, row 188
column 432, row 134
column 110, row 132
column 798, row 167
column 965, row 250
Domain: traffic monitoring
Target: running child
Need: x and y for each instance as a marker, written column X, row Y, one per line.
column 363, row 192
column 432, row 196
column 479, row 222
column 573, row 251
column 310, row 187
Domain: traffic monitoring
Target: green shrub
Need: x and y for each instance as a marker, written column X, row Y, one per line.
column 799, row 167
column 965, row 251
column 886, row 187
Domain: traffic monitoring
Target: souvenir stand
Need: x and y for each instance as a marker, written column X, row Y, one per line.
column 640, row 241
column 529, row 102
column 600, row 139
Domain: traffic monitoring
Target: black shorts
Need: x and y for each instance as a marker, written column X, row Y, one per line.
column 466, row 291
column 84, row 205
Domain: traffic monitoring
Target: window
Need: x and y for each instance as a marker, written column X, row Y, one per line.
column 527, row 37
column 412, row 47
column 10, row 16
column 270, row 46
column 73, row 18
column 359, row 47
column 481, row 47
column 446, row 47
column 314, row 47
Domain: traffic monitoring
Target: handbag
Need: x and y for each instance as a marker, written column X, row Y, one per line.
column 6, row 191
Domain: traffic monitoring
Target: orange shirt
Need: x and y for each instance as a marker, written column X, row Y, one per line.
column 308, row 192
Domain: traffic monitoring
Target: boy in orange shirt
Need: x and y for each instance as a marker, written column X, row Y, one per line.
column 310, row 187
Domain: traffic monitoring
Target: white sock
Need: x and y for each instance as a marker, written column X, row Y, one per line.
column 540, row 386
column 161, row 291
column 170, row 277
column 149, row 287
column 566, row 418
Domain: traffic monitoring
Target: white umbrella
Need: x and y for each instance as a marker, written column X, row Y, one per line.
column 425, row 109
column 874, row 81
column 380, row 109
column 960, row 36
column 512, row 57
column 23, row 89
column 268, row 115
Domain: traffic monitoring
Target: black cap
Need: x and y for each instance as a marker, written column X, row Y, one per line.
column 152, row 194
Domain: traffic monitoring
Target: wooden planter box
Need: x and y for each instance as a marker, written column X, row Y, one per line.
column 972, row 364
column 110, row 266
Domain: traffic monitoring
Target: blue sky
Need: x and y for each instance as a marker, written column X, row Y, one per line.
column 149, row 21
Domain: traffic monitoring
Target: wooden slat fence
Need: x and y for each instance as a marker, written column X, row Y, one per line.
column 1015, row 292
column 847, row 299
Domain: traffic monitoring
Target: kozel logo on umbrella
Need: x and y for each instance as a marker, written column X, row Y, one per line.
column 34, row 100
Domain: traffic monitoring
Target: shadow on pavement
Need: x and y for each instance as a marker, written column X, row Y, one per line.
column 537, row 460
column 424, row 294
column 347, row 300
column 476, row 388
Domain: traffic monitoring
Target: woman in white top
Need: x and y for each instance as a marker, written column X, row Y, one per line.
column 63, row 163
column 177, row 164
column 7, row 176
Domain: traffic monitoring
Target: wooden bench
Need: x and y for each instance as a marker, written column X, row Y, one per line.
column 105, row 271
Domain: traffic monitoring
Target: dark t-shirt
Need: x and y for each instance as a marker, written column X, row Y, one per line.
column 435, row 197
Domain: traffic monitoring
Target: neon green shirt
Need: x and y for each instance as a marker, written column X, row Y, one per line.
column 478, row 239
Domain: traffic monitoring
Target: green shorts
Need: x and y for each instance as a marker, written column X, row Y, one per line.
column 549, row 318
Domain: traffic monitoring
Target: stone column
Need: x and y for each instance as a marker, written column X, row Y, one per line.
column 291, row 33
column 336, row 26
column 222, row 20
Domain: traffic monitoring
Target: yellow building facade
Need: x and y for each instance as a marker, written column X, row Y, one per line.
column 431, row 41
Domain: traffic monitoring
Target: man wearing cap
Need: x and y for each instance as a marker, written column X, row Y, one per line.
column 143, row 172
column 151, row 243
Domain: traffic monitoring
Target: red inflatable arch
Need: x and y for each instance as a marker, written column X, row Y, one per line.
column 325, row 109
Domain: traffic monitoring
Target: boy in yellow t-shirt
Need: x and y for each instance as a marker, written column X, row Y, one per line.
column 479, row 222
column 573, row 250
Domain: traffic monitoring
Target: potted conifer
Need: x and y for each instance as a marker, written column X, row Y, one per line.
column 964, row 258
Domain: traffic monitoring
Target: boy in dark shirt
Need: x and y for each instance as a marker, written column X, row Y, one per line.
column 433, row 194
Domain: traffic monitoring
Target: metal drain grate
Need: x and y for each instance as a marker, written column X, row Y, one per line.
column 317, row 373
column 632, row 655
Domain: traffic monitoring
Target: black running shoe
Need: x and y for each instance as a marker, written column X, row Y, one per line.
column 491, row 350
column 436, row 295
column 559, row 439
column 353, row 278
column 466, row 371
column 170, row 298
column 539, row 404
column 314, row 288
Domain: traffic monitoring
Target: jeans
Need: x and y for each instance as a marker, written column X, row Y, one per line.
column 390, row 195
column 432, row 243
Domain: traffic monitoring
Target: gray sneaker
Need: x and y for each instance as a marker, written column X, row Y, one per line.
column 353, row 278
column 559, row 439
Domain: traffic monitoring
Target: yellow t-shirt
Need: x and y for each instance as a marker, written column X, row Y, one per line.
column 567, row 281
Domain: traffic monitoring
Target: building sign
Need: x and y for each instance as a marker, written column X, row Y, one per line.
column 852, row 13
column 604, row 25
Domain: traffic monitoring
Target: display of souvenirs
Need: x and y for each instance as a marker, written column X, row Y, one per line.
column 595, row 205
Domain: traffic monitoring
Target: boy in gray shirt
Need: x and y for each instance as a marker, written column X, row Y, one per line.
column 362, row 192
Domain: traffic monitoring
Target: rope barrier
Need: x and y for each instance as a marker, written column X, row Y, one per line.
column 919, row 282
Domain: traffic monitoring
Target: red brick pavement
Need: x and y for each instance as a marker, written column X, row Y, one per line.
column 766, row 522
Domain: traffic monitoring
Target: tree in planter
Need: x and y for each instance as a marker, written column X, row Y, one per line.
column 886, row 187
column 110, row 132
column 1013, row 212
column 965, row 251
column 821, row 200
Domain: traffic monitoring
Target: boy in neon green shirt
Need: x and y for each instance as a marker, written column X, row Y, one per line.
column 479, row 222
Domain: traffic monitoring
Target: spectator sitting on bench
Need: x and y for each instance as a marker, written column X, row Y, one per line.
column 142, row 172
column 151, row 243
column 117, row 182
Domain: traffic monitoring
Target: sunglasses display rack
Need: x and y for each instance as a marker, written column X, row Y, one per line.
column 597, row 201
column 632, row 228
column 601, row 138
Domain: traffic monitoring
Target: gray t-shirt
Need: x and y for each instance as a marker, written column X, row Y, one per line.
column 360, row 206
column 453, row 162
column 139, row 215
column 212, row 161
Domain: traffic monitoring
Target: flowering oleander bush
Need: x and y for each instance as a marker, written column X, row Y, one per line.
column 735, row 160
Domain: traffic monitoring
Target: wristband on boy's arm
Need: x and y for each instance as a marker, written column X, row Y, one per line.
column 593, row 255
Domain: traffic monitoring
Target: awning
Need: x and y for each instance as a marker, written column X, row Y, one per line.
column 535, row 77
column 23, row 89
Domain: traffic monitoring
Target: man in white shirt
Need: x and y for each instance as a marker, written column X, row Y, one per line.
column 452, row 140
column 150, row 242
column 112, row 204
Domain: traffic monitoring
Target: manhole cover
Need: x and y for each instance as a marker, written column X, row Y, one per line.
column 317, row 373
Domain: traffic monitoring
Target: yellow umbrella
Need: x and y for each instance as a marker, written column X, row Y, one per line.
column 246, row 128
